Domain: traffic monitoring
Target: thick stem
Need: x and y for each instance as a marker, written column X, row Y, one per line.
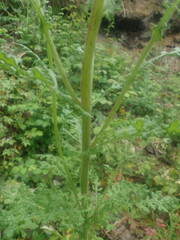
column 86, row 87
column 86, row 90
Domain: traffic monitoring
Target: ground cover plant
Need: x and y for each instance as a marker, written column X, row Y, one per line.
column 48, row 189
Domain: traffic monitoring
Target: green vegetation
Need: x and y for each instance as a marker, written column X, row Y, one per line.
column 64, row 174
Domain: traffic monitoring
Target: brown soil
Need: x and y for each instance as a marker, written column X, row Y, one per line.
column 126, row 229
column 132, row 25
column 141, row 8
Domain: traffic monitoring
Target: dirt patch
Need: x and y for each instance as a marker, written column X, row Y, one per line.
column 127, row 228
column 133, row 24
column 140, row 8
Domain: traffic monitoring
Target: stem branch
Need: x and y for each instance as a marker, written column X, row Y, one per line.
column 156, row 36
column 47, row 34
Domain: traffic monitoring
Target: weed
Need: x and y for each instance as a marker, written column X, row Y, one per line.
column 65, row 199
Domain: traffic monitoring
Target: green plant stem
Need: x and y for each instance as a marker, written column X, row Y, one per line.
column 86, row 86
column 122, row 93
column 56, row 130
column 86, row 90
column 55, row 124
column 156, row 36
column 60, row 67
column 57, row 60
column 59, row 149
column 51, row 66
